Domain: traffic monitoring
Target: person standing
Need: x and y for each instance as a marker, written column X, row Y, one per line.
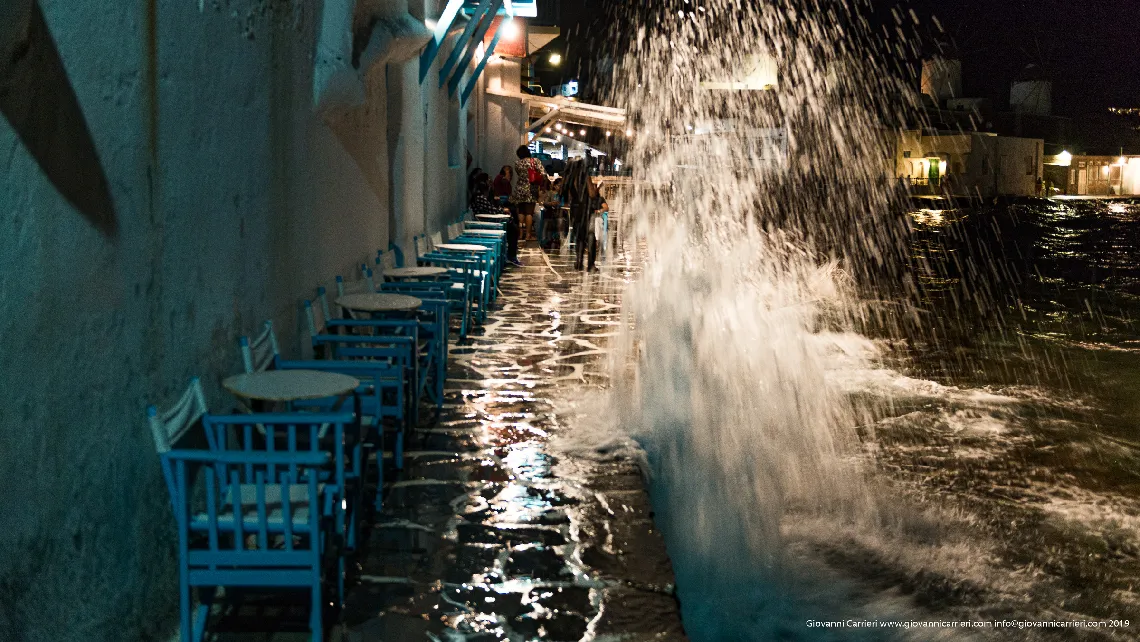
column 529, row 174
column 584, row 199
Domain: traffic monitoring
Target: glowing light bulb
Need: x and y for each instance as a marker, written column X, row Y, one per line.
column 510, row 29
column 556, row 59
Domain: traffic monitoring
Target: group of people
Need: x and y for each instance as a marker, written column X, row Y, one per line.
column 524, row 187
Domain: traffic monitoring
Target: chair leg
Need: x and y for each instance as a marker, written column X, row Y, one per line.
column 342, row 568
column 202, row 616
column 316, row 621
column 400, row 450
column 379, row 502
column 186, row 633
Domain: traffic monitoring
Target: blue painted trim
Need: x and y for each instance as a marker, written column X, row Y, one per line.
column 441, row 29
column 464, row 40
column 515, row 9
column 479, row 68
column 488, row 20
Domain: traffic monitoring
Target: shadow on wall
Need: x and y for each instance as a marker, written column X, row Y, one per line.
column 39, row 102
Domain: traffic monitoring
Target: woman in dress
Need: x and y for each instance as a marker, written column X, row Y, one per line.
column 529, row 174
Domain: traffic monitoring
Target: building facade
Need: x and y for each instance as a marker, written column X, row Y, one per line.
column 969, row 163
column 176, row 174
column 1101, row 175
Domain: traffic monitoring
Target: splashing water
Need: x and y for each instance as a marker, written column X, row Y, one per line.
column 769, row 236
column 760, row 210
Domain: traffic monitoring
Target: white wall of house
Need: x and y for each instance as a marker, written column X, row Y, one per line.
column 1019, row 165
column 975, row 163
column 247, row 162
column 502, row 121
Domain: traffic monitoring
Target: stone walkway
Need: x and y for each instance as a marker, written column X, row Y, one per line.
column 490, row 534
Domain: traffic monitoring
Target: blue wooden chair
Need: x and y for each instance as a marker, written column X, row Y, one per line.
column 246, row 518
column 393, row 342
column 381, row 399
column 485, row 225
column 434, row 316
column 458, row 289
column 385, row 325
column 296, row 433
column 475, row 269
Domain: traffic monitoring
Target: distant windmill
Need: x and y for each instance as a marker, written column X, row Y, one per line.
column 1032, row 91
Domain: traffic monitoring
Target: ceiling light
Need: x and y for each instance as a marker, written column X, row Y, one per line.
column 510, row 29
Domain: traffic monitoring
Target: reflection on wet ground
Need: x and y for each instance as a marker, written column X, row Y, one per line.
column 490, row 534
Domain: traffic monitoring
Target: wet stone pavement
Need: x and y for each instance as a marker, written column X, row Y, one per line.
column 489, row 533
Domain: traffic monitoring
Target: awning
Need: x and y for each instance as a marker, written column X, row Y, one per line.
column 545, row 109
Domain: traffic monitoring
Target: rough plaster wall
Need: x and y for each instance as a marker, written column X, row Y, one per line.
column 246, row 201
column 505, row 117
column 1016, row 154
column 440, row 180
column 408, row 156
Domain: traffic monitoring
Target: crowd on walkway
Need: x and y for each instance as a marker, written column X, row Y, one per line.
column 544, row 208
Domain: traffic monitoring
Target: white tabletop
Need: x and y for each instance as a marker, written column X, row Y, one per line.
column 487, row 233
column 290, row 385
column 415, row 272
column 493, row 217
column 462, row 247
column 379, row 302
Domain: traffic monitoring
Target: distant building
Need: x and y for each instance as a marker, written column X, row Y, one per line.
column 969, row 163
column 1096, row 175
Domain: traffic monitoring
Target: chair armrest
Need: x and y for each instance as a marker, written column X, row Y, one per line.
column 354, row 339
column 351, row 368
column 280, row 458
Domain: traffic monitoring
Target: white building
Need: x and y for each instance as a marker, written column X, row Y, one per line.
column 969, row 163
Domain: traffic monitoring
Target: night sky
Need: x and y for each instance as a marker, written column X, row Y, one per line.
column 1089, row 49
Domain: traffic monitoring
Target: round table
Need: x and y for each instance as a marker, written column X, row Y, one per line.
column 462, row 247
column 494, row 218
column 409, row 273
column 290, row 385
column 379, row 302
